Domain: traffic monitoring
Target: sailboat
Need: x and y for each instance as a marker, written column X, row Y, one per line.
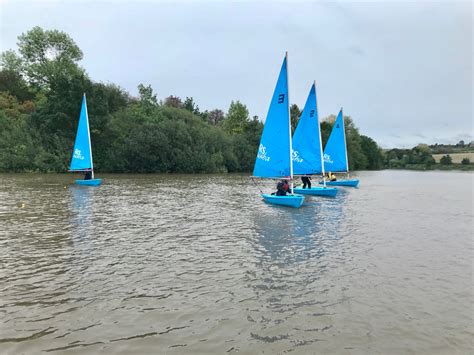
column 307, row 147
column 335, row 153
column 274, row 153
column 81, row 160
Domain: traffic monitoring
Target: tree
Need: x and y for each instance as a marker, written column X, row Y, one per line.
column 446, row 160
column 11, row 62
column 295, row 114
column 12, row 82
column 147, row 100
column 372, row 152
column 146, row 95
column 465, row 161
column 191, row 106
column 236, row 118
column 48, row 56
column 173, row 101
column 215, row 117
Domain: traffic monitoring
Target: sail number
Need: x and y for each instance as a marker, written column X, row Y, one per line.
column 311, row 113
column 281, row 98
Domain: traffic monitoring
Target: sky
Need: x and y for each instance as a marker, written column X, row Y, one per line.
column 401, row 69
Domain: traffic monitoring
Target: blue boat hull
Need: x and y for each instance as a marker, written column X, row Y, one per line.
column 289, row 200
column 351, row 183
column 317, row 191
column 91, row 182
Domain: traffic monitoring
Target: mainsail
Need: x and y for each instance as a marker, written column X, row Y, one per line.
column 307, row 139
column 82, row 153
column 273, row 158
column 335, row 152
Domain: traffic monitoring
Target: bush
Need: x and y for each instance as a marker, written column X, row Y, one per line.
column 465, row 161
column 446, row 160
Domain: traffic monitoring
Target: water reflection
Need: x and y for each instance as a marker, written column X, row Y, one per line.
column 82, row 204
column 287, row 236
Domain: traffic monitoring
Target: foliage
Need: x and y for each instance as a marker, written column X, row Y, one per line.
column 215, row 117
column 446, row 160
column 465, row 161
column 236, row 118
column 41, row 89
column 295, row 114
column 173, row 101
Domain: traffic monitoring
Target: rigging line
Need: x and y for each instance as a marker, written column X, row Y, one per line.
column 255, row 183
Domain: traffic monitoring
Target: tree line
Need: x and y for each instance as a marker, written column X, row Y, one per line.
column 41, row 86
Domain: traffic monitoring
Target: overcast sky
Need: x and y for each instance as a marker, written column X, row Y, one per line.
column 401, row 69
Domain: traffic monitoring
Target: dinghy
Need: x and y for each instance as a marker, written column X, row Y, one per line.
column 81, row 160
column 274, row 153
column 307, row 148
column 335, row 154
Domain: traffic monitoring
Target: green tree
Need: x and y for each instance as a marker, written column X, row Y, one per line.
column 48, row 56
column 236, row 118
column 446, row 160
column 13, row 83
column 11, row 62
column 191, row 106
column 295, row 114
column 372, row 152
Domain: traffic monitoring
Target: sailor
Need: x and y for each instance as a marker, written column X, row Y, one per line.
column 282, row 188
column 306, row 181
column 331, row 177
column 88, row 175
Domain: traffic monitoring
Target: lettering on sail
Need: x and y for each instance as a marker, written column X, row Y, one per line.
column 262, row 153
column 78, row 154
column 296, row 156
column 327, row 159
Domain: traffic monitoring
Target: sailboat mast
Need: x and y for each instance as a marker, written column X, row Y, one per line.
column 345, row 143
column 320, row 138
column 89, row 135
column 289, row 125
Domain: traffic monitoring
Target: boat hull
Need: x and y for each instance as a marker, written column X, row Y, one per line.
column 294, row 201
column 91, row 182
column 349, row 183
column 317, row 191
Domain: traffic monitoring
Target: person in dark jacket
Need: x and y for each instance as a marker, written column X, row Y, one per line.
column 88, row 175
column 306, row 181
column 282, row 188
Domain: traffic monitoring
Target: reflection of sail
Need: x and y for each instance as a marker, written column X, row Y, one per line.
column 297, row 235
column 81, row 211
column 298, row 253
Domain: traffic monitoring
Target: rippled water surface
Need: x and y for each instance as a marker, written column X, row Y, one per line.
column 199, row 264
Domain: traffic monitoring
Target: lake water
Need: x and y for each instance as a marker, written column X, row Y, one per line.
column 182, row 264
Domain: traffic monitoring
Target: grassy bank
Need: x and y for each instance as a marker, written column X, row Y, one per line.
column 454, row 166
column 456, row 157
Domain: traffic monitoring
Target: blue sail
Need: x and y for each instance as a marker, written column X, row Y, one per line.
column 307, row 139
column 273, row 158
column 82, row 154
column 335, row 152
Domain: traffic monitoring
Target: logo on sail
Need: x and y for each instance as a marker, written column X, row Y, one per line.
column 327, row 159
column 296, row 156
column 262, row 153
column 78, row 154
